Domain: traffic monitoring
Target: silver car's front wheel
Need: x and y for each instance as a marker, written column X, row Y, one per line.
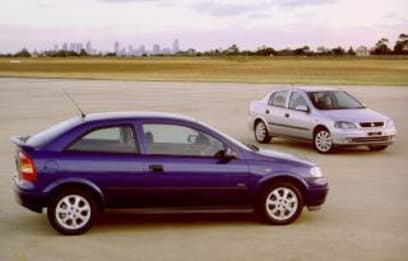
column 323, row 142
column 261, row 132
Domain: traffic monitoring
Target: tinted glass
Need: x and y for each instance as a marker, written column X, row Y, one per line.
column 167, row 139
column 334, row 100
column 45, row 136
column 113, row 139
column 296, row 100
column 278, row 99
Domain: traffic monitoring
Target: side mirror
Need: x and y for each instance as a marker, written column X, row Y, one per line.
column 302, row 108
column 225, row 156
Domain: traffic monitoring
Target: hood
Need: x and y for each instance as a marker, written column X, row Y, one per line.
column 275, row 155
column 354, row 115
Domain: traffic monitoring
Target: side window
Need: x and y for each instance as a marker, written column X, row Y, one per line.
column 119, row 139
column 168, row 139
column 296, row 100
column 278, row 99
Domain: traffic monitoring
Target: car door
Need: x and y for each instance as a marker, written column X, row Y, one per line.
column 275, row 113
column 107, row 157
column 184, row 171
column 299, row 119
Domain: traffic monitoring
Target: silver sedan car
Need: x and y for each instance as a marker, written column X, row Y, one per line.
column 325, row 116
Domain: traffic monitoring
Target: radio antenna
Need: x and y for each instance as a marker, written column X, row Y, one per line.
column 73, row 101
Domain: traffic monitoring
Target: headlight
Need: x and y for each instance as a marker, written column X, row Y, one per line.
column 315, row 172
column 390, row 124
column 344, row 125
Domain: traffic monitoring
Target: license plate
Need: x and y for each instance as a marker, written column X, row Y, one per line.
column 374, row 133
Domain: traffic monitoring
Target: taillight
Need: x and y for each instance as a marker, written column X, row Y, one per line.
column 27, row 169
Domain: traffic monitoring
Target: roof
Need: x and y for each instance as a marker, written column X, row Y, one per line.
column 135, row 115
column 314, row 89
column 308, row 88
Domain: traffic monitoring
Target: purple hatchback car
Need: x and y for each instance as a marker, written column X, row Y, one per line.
column 155, row 160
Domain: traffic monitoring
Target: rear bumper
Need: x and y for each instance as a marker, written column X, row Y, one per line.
column 356, row 137
column 32, row 200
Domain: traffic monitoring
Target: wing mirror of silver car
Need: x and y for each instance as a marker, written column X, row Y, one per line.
column 302, row 108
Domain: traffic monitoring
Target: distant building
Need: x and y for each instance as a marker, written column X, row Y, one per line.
column 166, row 51
column 116, row 48
column 130, row 50
column 362, row 51
column 175, row 46
column 89, row 47
column 156, row 49
column 141, row 50
column 72, row 46
column 65, row 47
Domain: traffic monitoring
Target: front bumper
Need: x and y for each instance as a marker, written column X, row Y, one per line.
column 366, row 136
column 317, row 192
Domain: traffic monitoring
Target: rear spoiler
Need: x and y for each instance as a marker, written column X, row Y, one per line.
column 20, row 141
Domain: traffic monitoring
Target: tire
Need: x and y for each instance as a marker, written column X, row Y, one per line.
column 72, row 211
column 261, row 132
column 377, row 147
column 280, row 204
column 322, row 141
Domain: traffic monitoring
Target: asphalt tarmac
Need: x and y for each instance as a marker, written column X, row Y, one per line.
column 364, row 218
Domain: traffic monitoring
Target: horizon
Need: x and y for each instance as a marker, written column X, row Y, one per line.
column 217, row 24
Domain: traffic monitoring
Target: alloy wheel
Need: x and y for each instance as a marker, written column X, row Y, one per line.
column 323, row 141
column 281, row 203
column 73, row 212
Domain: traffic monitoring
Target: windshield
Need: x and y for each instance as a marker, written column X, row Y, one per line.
column 229, row 138
column 334, row 100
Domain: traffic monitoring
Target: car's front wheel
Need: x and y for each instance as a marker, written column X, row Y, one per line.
column 281, row 203
column 72, row 212
column 261, row 132
column 322, row 141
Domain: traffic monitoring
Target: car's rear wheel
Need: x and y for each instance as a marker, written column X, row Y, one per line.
column 322, row 141
column 261, row 132
column 72, row 212
column 377, row 147
column 281, row 203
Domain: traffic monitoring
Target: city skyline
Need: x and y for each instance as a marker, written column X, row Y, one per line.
column 118, row 48
column 201, row 24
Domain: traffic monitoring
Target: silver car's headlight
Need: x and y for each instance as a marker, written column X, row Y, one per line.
column 344, row 125
column 316, row 172
column 390, row 124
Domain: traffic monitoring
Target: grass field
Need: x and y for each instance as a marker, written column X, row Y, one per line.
column 289, row 70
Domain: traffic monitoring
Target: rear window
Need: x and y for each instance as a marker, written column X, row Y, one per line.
column 117, row 139
column 44, row 137
column 278, row 99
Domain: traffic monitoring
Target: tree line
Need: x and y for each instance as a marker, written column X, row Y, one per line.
column 381, row 48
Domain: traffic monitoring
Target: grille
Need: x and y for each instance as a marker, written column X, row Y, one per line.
column 371, row 124
column 372, row 139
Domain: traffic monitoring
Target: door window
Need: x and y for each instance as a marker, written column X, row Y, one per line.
column 168, row 139
column 119, row 139
column 296, row 100
column 278, row 99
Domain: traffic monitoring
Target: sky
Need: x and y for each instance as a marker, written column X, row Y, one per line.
column 200, row 24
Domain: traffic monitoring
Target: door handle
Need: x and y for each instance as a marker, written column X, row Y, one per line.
column 287, row 115
column 267, row 111
column 156, row 168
